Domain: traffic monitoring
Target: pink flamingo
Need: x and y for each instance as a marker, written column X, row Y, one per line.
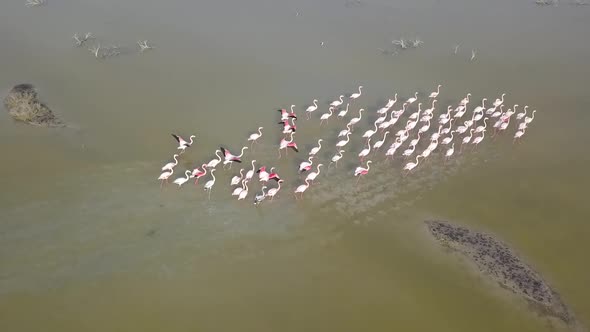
column 197, row 173
column 284, row 144
column 360, row 171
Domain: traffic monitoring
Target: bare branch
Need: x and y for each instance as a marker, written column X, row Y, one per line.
column 79, row 41
column 144, row 46
column 96, row 51
column 35, row 3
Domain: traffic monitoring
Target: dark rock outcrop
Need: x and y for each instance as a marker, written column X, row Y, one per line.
column 23, row 105
column 496, row 260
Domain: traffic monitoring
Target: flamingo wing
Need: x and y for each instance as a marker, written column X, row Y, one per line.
column 225, row 152
column 178, row 138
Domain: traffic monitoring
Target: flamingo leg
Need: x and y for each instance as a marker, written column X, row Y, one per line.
column 279, row 153
column 357, row 181
column 161, row 183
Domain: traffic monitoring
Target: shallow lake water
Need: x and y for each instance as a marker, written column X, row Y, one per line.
column 89, row 241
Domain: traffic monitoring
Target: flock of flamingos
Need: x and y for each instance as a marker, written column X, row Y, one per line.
column 447, row 135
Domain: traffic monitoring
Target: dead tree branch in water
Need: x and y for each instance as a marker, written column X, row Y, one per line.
column 144, row 46
column 35, row 3
column 96, row 51
column 79, row 41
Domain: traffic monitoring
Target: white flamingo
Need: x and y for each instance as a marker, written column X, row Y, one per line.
column 336, row 157
column 447, row 130
column 412, row 99
column 238, row 190
column 479, row 129
column 411, row 165
column 214, row 162
column 170, row 166
column 250, row 173
column 301, row 189
column 244, row 192
column 448, row 140
column 530, row 119
column 519, row 116
column 342, row 143
column 272, row 192
column 337, row 103
column 499, row 102
column 499, row 112
column 430, row 110
column 436, row 135
column 465, row 100
column 344, row 131
column 410, row 151
column 435, row 94
column 467, row 139
column 379, row 144
column 182, row 180
column 415, row 140
column 370, row 132
column 164, row 176
column 450, row 151
column 478, row 139
column 354, row 121
column 255, row 136
column 480, row 108
column 210, row 183
column 356, row 95
column 316, row 149
column 416, row 114
column 236, row 179
column 518, row 134
column 311, row 176
column 424, row 128
column 342, row 113
column 365, row 152
column 311, row 108
column 326, row 116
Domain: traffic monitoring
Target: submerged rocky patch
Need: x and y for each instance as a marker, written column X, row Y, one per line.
column 498, row 261
column 23, row 105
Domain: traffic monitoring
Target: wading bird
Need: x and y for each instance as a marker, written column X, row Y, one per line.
column 356, row 95
column 335, row 158
column 337, row 103
column 236, row 179
column 435, row 94
column 360, row 171
column 170, row 166
column 272, row 192
column 254, row 137
column 284, row 144
column 164, row 176
column 311, row 108
column 210, row 183
column 311, row 176
column 301, row 189
column 197, row 173
column 183, row 144
column 182, row 180
column 316, row 149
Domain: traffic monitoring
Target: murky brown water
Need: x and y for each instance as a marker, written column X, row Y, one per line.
column 88, row 242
